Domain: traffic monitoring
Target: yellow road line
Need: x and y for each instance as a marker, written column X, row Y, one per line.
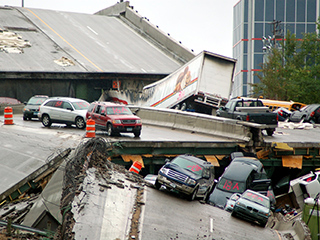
column 279, row 236
column 65, row 40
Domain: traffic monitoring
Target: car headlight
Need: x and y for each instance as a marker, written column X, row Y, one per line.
column 164, row 171
column 138, row 121
column 26, row 109
column 241, row 204
column 116, row 121
column 191, row 181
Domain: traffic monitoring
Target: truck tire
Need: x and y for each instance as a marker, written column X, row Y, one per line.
column 206, row 195
column 109, row 129
column 193, row 195
column 157, row 185
column 137, row 133
column 270, row 131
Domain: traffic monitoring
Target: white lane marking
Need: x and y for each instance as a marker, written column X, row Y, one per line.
column 92, row 30
column 211, row 225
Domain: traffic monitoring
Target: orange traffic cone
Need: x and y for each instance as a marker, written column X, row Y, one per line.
column 8, row 116
column 91, row 128
column 136, row 167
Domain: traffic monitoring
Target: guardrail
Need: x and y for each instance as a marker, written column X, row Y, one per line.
column 193, row 122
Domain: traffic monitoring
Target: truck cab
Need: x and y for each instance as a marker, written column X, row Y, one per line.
column 250, row 110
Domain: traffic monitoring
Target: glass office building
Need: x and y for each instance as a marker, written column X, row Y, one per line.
column 253, row 20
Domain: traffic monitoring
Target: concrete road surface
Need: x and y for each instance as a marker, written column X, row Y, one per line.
column 167, row 216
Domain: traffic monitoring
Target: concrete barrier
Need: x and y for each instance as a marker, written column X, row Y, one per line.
column 16, row 108
column 193, row 122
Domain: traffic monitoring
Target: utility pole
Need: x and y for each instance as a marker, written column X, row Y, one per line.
column 22, row 3
column 271, row 42
column 276, row 31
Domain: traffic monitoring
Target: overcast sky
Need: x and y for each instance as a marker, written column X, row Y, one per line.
column 198, row 24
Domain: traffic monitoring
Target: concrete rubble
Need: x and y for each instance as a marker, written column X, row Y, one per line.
column 11, row 42
column 86, row 202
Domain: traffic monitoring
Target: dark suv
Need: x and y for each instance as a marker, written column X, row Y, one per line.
column 188, row 175
column 32, row 106
column 114, row 118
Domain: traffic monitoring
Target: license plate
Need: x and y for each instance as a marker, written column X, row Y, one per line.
column 129, row 129
column 35, row 113
column 173, row 185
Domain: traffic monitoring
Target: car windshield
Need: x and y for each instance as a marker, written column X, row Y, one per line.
column 121, row 110
column 256, row 198
column 36, row 100
column 232, row 186
column 304, row 108
column 80, row 105
column 188, row 165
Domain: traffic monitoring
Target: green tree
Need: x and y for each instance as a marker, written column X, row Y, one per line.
column 292, row 71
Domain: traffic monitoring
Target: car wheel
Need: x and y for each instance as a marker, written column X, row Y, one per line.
column 233, row 214
column 109, row 129
column 263, row 224
column 80, row 123
column 137, row 134
column 193, row 195
column 157, row 185
column 46, row 121
column 206, row 195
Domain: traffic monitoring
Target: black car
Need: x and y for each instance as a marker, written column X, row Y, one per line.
column 309, row 113
column 260, row 175
column 32, row 106
column 243, row 173
column 188, row 175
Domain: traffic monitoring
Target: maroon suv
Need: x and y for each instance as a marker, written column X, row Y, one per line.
column 114, row 118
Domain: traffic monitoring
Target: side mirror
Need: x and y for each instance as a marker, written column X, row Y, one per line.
column 260, row 185
column 70, row 109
